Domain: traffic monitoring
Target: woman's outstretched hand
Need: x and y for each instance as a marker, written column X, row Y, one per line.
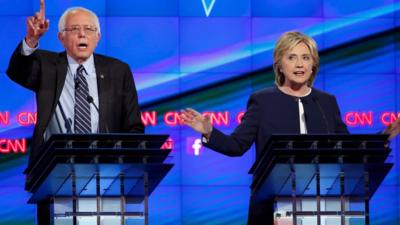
column 198, row 122
column 393, row 129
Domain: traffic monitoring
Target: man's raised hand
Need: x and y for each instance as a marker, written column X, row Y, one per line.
column 37, row 25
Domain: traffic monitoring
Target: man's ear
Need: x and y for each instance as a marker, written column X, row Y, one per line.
column 61, row 37
column 98, row 37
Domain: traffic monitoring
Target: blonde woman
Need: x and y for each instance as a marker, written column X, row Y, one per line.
column 292, row 106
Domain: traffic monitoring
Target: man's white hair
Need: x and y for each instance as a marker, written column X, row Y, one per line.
column 62, row 21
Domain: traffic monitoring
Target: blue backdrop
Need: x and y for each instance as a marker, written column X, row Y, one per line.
column 210, row 55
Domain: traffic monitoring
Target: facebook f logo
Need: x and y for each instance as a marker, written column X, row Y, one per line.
column 193, row 146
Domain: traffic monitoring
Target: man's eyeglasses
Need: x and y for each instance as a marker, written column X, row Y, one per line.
column 77, row 29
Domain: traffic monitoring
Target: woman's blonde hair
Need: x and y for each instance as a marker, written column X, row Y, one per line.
column 286, row 43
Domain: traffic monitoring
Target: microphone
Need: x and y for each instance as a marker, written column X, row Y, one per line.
column 67, row 121
column 91, row 101
column 316, row 100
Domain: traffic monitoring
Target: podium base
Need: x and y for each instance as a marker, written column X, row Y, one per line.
column 329, row 211
column 91, row 211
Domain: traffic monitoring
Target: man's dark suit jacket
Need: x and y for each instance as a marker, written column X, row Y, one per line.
column 270, row 111
column 44, row 72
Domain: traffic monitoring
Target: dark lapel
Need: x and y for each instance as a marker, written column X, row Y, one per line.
column 102, row 79
column 61, row 65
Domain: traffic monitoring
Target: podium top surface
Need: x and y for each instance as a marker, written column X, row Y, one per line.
column 99, row 141
column 329, row 154
column 325, row 137
column 131, row 137
column 110, row 154
column 107, row 147
column 301, row 144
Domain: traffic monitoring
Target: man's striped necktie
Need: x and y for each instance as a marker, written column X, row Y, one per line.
column 82, row 106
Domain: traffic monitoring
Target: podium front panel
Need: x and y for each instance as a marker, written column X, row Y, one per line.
column 59, row 182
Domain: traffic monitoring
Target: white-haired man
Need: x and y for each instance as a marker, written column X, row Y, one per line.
column 54, row 78
column 71, row 84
